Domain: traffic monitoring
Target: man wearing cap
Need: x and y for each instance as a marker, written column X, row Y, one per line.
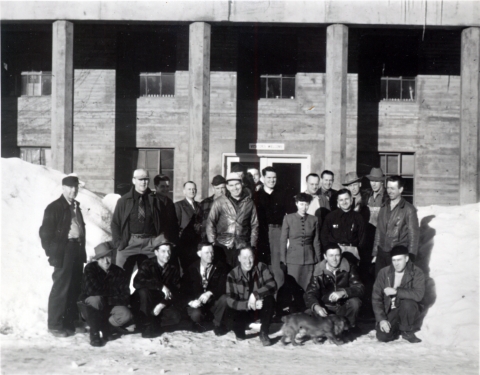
column 63, row 238
column 256, row 178
column 219, row 189
column 204, row 285
column 232, row 222
column 345, row 227
column 188, row 213
column 136, row 221
column 162, row 193
column 326, row 183
column 271, row 204
column 105, row 295
column 156, row 291
column 397, row 225
column 248, row 184
column 335, row 287
column 397, row 292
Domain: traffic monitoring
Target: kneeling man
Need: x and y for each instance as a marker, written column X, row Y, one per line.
column 105, row 296
column 335, row 287
column 250, row 294
column 397, row 292
column 156, row 283
column 204, row 285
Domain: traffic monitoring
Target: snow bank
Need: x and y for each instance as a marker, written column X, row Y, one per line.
column 27, row 189
column 452, row 232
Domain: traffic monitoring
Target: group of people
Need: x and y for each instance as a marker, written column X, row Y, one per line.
column 248, row 252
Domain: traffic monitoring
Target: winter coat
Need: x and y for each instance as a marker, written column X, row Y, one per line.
column 345, row 228
column 323, row 283
column 120, row 220
column 411, row 287
column 57, row 220
column 187, row 218
column 233, row 226
column 238, row 290
column 113, row 285
column 304, row 241
column 217, row 280
column 400, row 229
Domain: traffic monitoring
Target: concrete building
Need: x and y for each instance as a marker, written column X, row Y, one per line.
column 188, row 89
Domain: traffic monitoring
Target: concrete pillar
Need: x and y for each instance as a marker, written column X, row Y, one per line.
column 470, row 116
column 199, row 105
column 62, row 96
column 336, row 100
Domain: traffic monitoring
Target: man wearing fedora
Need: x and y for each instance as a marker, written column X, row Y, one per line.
column 219, row 189
column 63, row 238
column 232, row 222
column 397, row 292
column 353, row 183
column 156, row 290
column 105, row 295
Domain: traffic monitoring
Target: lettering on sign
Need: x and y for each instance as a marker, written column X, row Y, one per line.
column 267, row 146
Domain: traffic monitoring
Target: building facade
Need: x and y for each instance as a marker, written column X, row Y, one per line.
column 188, row 89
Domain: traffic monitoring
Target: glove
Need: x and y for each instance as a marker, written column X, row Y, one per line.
column 95, row 302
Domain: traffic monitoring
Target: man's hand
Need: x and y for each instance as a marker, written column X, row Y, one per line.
column 390, row 291
column 166, row 291
column 319, row 310
column 205, row 297
column 259, row 304
column 385, row 326
column 335, row 296
column 252, row 302
column 195, row 304
column 95, row 302
column 374, row 259
column 158, row 309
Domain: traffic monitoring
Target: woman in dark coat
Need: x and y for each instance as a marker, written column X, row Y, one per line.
column 303, row 250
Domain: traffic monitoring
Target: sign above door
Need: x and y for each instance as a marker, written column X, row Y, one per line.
column 267, row 146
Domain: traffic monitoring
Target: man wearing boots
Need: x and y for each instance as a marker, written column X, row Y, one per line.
column 250, row 294
column 156, row 283
column 204, row 285
column 105, row 296
column 397, row 292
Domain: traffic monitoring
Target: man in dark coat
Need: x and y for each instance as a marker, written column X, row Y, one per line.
column 63, row 238
column 188, row 212
column 162, row 192
column 219, row 189
column 105, row 295
column 204, row 285
column 397, row 225
column 250, row 293
column 138, row 218
column 157, row 290
column 397, row 292
column 335, row 287
column 345, row 227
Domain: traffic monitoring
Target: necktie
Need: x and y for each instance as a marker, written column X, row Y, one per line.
column 205, row 278
column 141, row 210
column 353, row 204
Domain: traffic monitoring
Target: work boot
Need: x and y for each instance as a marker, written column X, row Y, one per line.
column 151, row 331
column 410, row 337
column 95, row 339
column 220, row 330
column 265, row 339
column 240, row 335
column 58, row 332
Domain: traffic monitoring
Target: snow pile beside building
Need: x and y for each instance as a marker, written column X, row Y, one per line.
column 27, row 189
column 452, row 232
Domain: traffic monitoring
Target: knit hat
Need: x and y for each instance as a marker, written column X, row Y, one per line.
column 70, row 181
column 218, row 180
column 399, row 250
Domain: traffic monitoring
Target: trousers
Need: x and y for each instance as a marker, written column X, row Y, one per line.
column 237, row 320
column 401, row 318
column 214, row 307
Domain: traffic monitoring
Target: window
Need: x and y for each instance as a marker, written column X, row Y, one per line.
column 157, row 84
column 398, row 88
column 36, row 83
column 157, row 161
column 402, row 164
column 277, row 86
column 36, row 155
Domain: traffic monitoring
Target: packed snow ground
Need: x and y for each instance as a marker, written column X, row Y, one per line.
column 450, row 331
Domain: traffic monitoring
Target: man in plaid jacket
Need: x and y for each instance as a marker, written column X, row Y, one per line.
column 250, row 295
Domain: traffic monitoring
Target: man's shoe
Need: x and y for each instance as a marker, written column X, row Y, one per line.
column 220, row 330
column 95, row 339
column 410, row 337
column 198, row 328
column 151, row 331
column 265, row 339
column 240, row 335
column 58, row 332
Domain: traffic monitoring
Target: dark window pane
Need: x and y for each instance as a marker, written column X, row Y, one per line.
column 143, row 85
column 288, row 88
column 166, row 159
column 408, row 165
column 273, row 88
column 168, row 84
column 408, row 89
column 153, row 159
column 46, row 84
column 392, row 164
column 141, row 159
column 394, row 88
column 408, row 188
column 153, row 85
column 263, row 87
column 384, row 89
column 383, row 163
column 24, row 85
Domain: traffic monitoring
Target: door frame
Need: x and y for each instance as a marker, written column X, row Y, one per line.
column 266, row 160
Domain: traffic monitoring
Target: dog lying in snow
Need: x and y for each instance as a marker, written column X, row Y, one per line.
column 317, row 328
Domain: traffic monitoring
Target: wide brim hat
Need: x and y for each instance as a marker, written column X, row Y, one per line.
column 161, row 240
column 350, row 178
column 104, row 249
column 376, row 174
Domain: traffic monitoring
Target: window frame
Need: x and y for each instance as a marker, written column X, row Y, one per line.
column 41, row 83
column 281, row 77
column 399, row 170
column 145, row 76
column 159, row 169
column 402, row 80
